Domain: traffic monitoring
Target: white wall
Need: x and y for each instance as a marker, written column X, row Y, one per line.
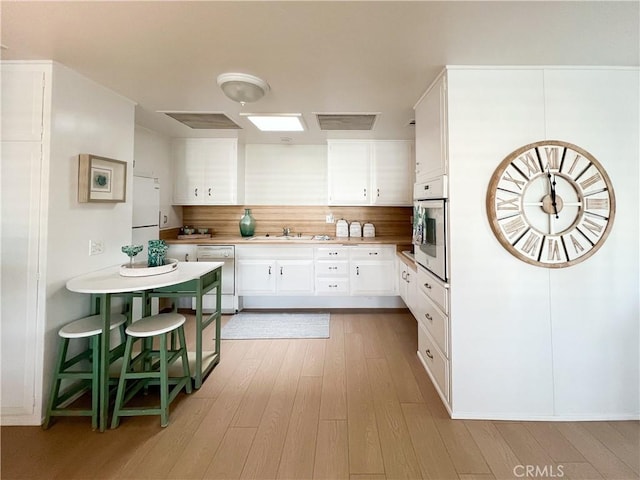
column 530, row 342
column 85, row 118
column 152, row 154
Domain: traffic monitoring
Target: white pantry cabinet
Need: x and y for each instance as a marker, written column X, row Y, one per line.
column 431, row 132
column 369, row 172
column 205, row 171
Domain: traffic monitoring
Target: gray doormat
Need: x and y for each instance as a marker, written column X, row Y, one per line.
column 250, row 325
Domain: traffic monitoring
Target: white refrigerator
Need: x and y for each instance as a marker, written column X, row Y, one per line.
column 146, row 216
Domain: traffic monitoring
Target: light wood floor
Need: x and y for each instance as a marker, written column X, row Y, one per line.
column 357, row 405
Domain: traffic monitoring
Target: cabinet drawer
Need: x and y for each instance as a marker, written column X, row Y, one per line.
column 434, row 289
column 434, row 361
column 332, row 253
column 332, row 286
column 368, row 252
column 436, row 322
column 326, row 268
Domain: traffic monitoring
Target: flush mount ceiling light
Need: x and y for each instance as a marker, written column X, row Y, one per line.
column 241, row 87
column 276, row 122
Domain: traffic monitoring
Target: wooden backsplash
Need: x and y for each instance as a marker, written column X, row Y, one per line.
column 308, row 220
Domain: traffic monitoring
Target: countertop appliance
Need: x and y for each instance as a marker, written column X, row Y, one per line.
column 145, row 227
column 225, row 254
column 430, row 226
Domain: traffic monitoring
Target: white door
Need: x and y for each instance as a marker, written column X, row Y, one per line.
column 21, row 334
column 295, row 277
column 349, row 169
column 256, row 277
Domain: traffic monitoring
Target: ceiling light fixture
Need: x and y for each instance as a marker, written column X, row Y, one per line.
column 241, row 87
column 276, row 122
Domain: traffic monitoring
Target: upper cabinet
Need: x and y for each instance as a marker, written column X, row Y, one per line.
column 431, row 132
column 369, row 172
column 205, row 171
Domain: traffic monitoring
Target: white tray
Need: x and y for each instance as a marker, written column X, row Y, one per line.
column 142, row 269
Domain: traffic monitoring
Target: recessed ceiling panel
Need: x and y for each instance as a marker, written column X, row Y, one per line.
column 205, row 121
column 346, row 121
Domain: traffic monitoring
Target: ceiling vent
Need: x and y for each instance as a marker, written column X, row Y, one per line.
column 346, row 121
column 205, row 121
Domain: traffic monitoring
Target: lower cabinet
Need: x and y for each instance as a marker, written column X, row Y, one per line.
column 407, row 285
column 431, row 304
column 332, row 270
column 372, row 270
column 274, row 271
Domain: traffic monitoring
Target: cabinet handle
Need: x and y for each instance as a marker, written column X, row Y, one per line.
column 426, row 187
column 429, row 317
column 209, row 191
column 373, row 253
column 428, row 353
column 408, row 275
column 333, row 253
column 357, row 270
column 404, row 276
column 186, row 257
column 196, row 191
column 428, row 286
column 280, row 270
column 333, row 268
column 269, row 269
column 333, row 286
column 365, row 193
column 378, row 192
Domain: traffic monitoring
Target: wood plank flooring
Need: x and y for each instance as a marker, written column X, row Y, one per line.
column 355, row 406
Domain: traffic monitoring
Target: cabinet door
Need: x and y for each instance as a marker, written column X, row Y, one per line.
column 349, row 173
column 22, row 104
column 392, row 175
column 411, row 290
column 372, row 278
column 256, row 277
column 219, row 171
column 431, row 133
column 295, row 277
column 182, row 188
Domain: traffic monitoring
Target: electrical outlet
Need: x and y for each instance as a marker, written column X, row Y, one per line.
column 329, row 218
column 96, row 247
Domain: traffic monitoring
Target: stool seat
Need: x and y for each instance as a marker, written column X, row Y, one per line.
column 155, row 325
column 90, row 326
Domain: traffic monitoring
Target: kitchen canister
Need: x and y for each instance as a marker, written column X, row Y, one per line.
column 355, row 230
column 342, row 228
column 368, row 230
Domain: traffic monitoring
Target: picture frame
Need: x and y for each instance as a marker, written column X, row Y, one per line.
column 101, row 179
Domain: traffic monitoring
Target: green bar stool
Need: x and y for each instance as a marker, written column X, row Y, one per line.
column 82, row 378
column 151, row 367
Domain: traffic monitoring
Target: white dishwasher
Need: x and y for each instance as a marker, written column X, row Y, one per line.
column 225, row 254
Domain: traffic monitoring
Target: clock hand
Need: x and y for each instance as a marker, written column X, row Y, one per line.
column 553, row 196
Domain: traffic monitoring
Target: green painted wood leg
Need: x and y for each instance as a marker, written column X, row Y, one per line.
column 95, row 380
column 185, row 359
column 105, row 313
column 122, row 383
column 56, row 381
column 164, row 382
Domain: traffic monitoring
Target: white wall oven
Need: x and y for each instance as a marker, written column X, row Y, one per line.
column 430, row 226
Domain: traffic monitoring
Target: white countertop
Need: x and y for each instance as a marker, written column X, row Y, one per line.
column 109, row 280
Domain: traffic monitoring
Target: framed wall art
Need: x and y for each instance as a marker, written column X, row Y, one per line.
column 101, row 179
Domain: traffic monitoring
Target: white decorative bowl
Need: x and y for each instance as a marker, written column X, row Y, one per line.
column 142, row 269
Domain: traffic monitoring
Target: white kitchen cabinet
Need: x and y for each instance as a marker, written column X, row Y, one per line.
column 332, row 270
column 407, row 281
column 274, row 270
column 372, row 270
column 369, row 172
column 431, row 132
column 205, row 171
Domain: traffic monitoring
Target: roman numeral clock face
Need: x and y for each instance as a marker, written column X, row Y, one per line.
column 551, row 204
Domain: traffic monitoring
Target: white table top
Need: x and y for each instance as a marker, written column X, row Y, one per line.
column 109, row 280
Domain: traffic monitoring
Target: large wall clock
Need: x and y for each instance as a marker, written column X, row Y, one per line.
column 551, row 204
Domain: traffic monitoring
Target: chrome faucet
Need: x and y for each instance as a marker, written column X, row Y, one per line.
column 286, row 231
